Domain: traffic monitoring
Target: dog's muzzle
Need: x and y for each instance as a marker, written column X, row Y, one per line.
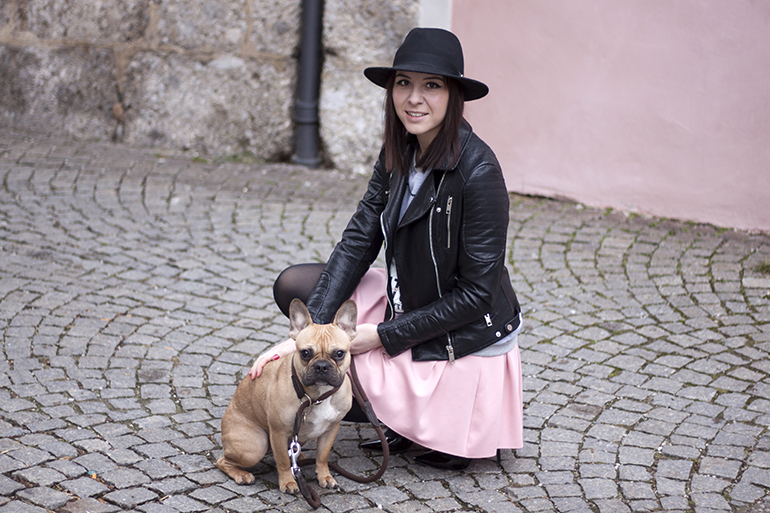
column 323, row 371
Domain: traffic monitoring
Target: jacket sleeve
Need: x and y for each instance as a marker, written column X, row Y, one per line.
column 481, row 262
column 353, row 255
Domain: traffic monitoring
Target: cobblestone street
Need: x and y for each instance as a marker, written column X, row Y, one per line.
column 135, row 291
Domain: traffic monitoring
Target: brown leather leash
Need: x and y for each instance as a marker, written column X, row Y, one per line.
column 310, row 495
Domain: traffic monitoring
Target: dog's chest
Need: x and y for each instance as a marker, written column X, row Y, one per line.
column 318, row 419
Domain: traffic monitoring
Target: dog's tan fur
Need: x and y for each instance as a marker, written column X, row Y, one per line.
column 262, row 411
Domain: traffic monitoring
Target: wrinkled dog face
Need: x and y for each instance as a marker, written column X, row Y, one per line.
column 325, row 363
column 323, row 350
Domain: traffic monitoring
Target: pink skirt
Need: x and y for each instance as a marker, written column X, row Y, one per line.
column 470, row 408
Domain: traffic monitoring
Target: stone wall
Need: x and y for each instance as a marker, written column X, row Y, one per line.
column 357, row 34
column 215, row 77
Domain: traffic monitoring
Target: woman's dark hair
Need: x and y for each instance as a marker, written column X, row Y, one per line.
column 443, row 152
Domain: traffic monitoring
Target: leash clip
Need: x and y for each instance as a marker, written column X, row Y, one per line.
column 294, row 451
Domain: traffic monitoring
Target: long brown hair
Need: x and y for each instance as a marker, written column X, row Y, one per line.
column 443, row 152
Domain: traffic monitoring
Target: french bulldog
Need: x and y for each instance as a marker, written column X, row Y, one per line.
column 262, row 411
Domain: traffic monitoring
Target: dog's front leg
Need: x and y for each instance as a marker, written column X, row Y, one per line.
column 325, row 442
column 279, row 442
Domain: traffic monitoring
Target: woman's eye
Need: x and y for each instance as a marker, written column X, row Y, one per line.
column 433, row 85
column 402, row 83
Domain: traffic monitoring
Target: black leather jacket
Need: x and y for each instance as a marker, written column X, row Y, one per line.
column 449, row 250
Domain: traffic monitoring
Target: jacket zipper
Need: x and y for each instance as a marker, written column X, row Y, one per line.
column 449, row 222
column 449, row 348
column 385, row 242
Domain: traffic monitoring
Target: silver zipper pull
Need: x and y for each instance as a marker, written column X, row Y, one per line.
column 449, row 222
column 451, row 352
column 488, row 318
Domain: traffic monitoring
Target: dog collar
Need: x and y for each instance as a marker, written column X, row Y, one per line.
column 296, row 382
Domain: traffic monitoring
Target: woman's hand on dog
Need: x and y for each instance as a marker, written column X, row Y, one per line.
column 285, row 348
column 366, row 339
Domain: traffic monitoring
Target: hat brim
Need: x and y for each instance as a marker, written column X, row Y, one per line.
column 472, row 89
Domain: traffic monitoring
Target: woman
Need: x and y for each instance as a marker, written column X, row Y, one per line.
column 436, row 346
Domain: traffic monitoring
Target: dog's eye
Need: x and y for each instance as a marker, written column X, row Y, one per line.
column 339, row 354
column 305, row 354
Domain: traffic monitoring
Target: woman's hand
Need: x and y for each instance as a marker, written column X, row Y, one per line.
column 281, row 350
column 366, row 339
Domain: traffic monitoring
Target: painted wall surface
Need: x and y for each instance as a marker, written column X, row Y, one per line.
column 647, row 106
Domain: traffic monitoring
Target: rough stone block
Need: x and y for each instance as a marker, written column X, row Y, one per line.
column 225, row 107
column 266, row 26
column 68, row 89
column 114, row 21
column 358, row 34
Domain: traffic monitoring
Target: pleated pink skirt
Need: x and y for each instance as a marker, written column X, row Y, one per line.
column 470, row 408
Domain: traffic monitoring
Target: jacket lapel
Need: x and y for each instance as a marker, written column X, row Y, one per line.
column 422, row 202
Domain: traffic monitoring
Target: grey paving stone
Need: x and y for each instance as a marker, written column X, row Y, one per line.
column 666, row 486
column 173, row 485
column 120, row 478
column 85, row 487
column 245, row 505
column 675, row 469
column 40, row 476
column 156, row 450
column 89, row 505
column 710, row 500
column 30, row 456
column 130, row 497
column 598, row 488
column 212, row 494
column 719, row 467
column 756, row 476
column 67, row 467
column 9, row 486
column 44, row 497
column 185, row 504
column 8, row 464
column 16, row 506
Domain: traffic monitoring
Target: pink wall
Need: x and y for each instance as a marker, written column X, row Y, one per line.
column 652, row 106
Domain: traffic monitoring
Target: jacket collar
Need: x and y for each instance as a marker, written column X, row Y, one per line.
column 426, row 196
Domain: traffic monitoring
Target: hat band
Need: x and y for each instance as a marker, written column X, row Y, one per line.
column 428, row 62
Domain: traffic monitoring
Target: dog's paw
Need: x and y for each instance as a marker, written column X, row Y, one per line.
column 244, row 478
column 239, row 475
column 328, row 482
column 289, row 486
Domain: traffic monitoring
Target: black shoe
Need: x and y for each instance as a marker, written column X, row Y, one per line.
column 396, row 443
column 440, row 460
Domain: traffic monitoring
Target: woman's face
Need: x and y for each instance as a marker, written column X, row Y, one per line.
column 421, row 103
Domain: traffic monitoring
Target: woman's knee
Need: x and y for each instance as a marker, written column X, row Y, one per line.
column 296, row 281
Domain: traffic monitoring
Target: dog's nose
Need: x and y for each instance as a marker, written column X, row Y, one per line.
column 322, row 367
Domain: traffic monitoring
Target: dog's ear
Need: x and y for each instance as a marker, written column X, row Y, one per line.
column 299, row 318
column 346, row 318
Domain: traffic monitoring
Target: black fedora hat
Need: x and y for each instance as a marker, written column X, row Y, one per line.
column 434, row 51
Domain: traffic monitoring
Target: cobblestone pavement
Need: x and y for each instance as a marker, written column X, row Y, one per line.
column 135, row 292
